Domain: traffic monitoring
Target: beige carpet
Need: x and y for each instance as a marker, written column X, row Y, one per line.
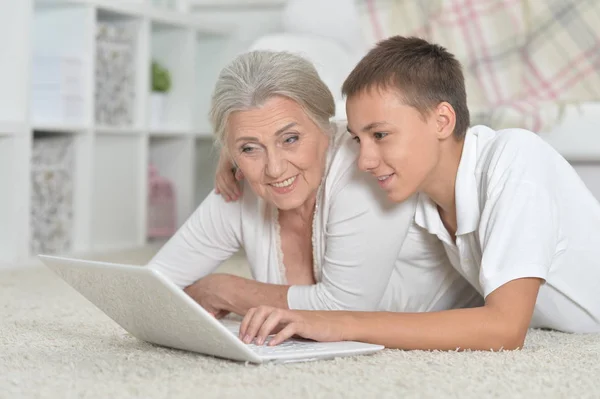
column 55, row 344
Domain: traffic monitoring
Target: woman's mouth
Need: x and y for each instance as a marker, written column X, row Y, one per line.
column 284, row 186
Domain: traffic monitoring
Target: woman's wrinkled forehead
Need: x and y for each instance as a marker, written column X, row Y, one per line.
column 274, row 117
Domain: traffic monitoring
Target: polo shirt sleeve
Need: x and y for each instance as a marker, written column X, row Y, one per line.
column 518, row 231
column 208, row 237
column 364, row 235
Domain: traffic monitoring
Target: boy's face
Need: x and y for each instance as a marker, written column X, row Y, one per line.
column 397, row 145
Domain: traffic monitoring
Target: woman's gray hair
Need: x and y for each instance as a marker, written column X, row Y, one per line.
column 253, row 78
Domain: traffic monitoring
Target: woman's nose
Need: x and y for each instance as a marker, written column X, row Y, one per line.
column 275, row 166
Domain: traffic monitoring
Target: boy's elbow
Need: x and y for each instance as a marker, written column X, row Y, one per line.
column 512, row 342
column 516, row 339
column 509, row 338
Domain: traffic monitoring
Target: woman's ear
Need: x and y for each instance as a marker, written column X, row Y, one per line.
column 445, row 120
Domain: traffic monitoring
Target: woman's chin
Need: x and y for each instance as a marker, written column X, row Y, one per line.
column 290, row 201
column 288, row 204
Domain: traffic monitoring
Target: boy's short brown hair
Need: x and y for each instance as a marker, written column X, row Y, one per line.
column 425, row 74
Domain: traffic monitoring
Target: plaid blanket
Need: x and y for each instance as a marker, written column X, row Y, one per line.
column 523, row 59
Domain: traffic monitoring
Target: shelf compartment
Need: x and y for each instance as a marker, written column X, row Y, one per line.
column 119, row 46
column 52, row 193
column 58, row 90
column 7, row 202
column 205, row 167
column 171, row 6
column 211, row 48
column 172, row 48
column 170, row 133
column 60, row 128
column 118, row 130
column 173, row 159
column 130, row 7
column 60, row 169
column 15, row 22
column 154, row 13
column 118, row 191
column 60, row 67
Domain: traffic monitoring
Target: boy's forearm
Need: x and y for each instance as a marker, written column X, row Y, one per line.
column 459, row 329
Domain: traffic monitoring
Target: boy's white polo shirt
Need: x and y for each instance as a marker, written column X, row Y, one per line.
column 522, row 211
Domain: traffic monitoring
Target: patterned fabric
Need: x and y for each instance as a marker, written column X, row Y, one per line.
column 51, row 212
column 523, row 59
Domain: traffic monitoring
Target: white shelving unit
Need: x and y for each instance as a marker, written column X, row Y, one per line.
column 236, row 3
column 48, row 66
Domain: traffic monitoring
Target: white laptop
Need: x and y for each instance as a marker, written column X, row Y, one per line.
column 153, row 309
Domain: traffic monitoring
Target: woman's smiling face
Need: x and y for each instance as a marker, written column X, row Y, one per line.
column 280, row 150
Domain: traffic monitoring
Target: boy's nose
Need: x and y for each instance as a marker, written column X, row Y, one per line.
column 367, row 160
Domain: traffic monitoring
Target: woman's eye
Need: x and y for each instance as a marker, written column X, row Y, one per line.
column 247, row 149
column 379, row 135
column 291, row 139
column 356, row 139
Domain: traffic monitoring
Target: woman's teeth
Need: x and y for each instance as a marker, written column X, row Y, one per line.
column 382, row 178
column 284, row 183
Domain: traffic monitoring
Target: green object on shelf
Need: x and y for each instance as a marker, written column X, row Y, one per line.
column 161, row 79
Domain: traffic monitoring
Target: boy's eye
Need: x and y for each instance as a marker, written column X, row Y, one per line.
column 379, row 135
column 356, row 139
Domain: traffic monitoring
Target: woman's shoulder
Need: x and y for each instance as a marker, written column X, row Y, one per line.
column 248, row 207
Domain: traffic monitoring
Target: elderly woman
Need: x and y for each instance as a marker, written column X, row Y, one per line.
column 317, row 233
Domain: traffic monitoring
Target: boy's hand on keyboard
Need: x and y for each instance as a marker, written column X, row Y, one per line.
column 263, row 321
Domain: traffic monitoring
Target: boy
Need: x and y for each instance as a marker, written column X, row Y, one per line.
column 514, row 218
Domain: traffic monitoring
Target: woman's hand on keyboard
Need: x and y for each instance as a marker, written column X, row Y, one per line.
column 263, row 321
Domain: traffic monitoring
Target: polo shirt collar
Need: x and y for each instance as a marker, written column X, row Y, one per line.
column 466, row 196
column 427, row 216
column 466, row 188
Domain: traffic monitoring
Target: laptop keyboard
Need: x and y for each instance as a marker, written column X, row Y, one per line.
column 288, row 346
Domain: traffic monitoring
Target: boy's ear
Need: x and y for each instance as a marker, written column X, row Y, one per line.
column 445, row 120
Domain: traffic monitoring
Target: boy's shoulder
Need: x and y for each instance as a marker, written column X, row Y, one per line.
column 511, row 145
column 514, row 153
column 513, row 140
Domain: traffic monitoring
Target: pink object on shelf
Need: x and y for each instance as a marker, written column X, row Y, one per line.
column 161, row 205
